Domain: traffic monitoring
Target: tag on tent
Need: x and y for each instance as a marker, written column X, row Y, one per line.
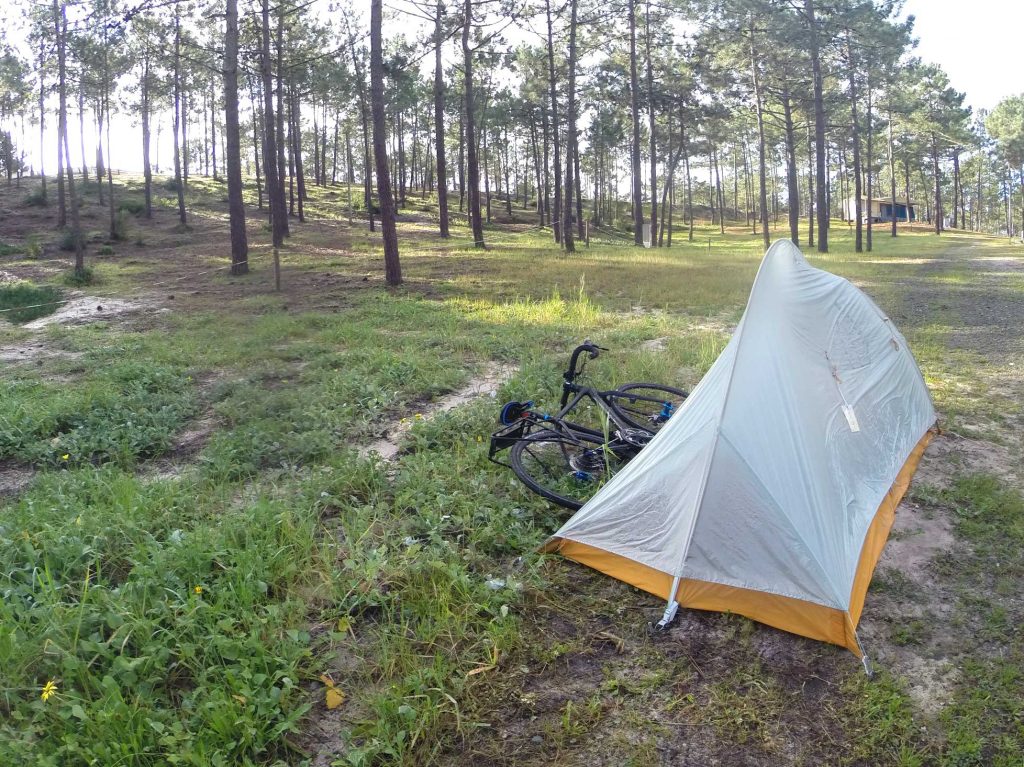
column 851, row 418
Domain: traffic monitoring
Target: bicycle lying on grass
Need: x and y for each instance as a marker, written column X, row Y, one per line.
column 567, row 461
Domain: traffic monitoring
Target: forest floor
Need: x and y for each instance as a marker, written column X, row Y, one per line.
column 241, row 526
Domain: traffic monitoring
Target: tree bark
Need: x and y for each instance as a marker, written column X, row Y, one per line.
column 61, row 28
column 473, row 167
column 792, row 183
column 392, row 266
column 651, row 112
column 892, row 175
column 634, row 101
column 819, row 127
column 556, row 215
column 281, row 166
column 236, row 205
column 851, row 64
column 938, row 184
column 275, row 187
column 570, row 151
column 442, row 169
column 42, row 117
column 147, row 168
column 178, row 182
column 762, row 167
column 869, row 171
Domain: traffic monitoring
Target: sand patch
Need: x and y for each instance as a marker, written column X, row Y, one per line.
column 86, row 309
column 14, row 478
column 484, row 385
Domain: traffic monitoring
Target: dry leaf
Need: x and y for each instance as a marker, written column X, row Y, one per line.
column 333, row 697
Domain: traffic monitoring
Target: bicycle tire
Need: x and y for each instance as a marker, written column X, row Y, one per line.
column 567, row 470
column 650, row 412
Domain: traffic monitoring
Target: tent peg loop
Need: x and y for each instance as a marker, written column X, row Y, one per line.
column 668, row 616
column 866, row 662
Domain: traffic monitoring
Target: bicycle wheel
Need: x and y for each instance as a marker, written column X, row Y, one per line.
column 565, row 469
column 645, row 405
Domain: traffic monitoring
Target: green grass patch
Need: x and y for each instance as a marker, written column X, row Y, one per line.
column 23, row 302
column 124, row 412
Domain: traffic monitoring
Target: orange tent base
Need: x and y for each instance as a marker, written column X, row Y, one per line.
column 798, row 616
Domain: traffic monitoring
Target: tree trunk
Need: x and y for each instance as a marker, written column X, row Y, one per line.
column 61, row 28
column 473, row 166
column 392, row 267
column 634, row 102
column 792, row 183
column 762, row 167
column 556, row 216
column 256, row 148
column 810, row 186
column 147, row 168
column 689, row 188
column 570, row 117
column 892, row 174
column 547, row 169
column 442, row 170
column 275, row 187
column 236, row 205
column 956, row 184
column 81, row 139
column 178, row 183
column 536, row 169
column 42, row 117
column 213, row 128
column 819, row 127
column 938, row 184
column 650, row 108
column 281, row 167
column 295, row 130
column 851, row 65
column 869, row 171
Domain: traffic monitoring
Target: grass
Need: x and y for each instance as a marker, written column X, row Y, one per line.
column 190, row 617
column 23, row 302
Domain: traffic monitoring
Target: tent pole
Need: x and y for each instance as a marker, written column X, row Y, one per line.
column 670, row 610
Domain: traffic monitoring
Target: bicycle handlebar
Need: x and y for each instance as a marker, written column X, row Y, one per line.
column 570, row 375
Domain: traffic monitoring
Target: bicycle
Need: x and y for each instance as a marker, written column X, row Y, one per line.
column 566, row 461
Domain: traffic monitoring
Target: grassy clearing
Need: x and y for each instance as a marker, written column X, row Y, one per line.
column 193, row 619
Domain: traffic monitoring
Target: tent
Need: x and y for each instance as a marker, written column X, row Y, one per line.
column 772, row 490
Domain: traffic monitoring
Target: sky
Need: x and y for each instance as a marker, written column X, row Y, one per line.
column 976, row 42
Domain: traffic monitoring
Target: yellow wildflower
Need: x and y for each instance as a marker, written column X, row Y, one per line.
column 198, row 589
column 49, row 690
column 65, row 457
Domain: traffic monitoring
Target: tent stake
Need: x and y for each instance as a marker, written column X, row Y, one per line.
column 671, row 609
column 864, row 659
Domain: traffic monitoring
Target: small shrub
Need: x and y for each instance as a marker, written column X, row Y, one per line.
column 79, row 279
column 120, row 232
column 132, row 206
column 67, row 241
column 171, row 185
column 27, row 301
column 33, row 247
column 37, row 199
column 9, row 250
column 106, row 250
